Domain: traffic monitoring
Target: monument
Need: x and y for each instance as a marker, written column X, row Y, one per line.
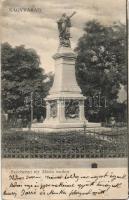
column 65, row 102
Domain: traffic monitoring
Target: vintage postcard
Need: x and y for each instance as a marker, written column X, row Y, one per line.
column 64, row 84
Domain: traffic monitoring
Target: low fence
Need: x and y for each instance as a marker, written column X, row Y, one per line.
column 85, row 144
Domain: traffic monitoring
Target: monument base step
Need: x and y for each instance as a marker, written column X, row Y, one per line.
column 64, row 127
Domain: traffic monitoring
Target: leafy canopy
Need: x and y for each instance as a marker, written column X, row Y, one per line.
column 21, row 75
column 101, row 62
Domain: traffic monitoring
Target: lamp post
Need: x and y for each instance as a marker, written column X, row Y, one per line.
column 31, row 108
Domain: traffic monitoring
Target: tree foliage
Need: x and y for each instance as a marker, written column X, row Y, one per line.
column 101, row 62
column 21, row 75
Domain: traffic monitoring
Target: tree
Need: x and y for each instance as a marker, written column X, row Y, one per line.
column 101, row 63
column 21, row 75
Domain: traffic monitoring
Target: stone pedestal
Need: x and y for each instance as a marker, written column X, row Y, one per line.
column 65, row 102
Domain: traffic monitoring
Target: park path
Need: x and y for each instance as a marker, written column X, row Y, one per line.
column 64, row 163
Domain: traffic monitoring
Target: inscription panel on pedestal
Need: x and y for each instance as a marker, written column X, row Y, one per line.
column 71, row 109
column 53, row 108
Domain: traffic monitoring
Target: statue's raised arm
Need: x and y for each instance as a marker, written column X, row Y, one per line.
column 64, row 24
column 72, row 14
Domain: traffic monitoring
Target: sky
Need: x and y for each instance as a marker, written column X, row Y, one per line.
column 38, row 30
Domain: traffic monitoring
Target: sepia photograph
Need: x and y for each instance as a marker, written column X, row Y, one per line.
column 64, row 84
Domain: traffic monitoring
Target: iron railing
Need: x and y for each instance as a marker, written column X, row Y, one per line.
column 84, row 144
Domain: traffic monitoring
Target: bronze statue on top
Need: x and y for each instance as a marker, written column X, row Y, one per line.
column 64, row 24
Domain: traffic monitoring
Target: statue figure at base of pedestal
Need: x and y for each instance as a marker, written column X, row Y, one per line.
column 64, row 25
